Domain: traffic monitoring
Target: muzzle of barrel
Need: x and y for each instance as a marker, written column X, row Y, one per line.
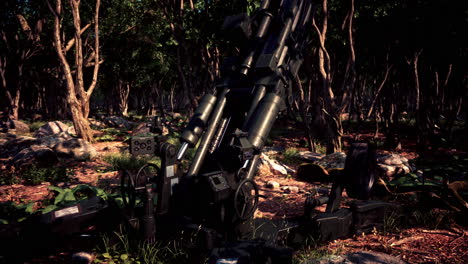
column 198, row 122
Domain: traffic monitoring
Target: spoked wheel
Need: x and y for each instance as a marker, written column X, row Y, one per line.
column 127, row 189
column 146, row 174
column 246, row 199
column 132, row 185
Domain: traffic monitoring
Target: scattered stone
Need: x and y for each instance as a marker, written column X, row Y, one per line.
column 274, row 166
column 52, row 128
column 373, row 257
column 392, row 165
column 264, row 169
column 82, row 258
column 144, row 130
column 117, row 121
column 388, row 171
column 37, row 154
column 310, row 156
column 176, row 115
column 15, row 145
column 290, row 189
column 333, row 161
column 365, row 257
column 391, row 159
column 272, row 185
column 272, row 151
column 54, row 140
column 76, row 148
column 406, row 169
column 15, row 127
column 277, row 168
column 141, row 130
column 96, row 124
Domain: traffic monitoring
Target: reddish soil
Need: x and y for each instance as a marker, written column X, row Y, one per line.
column 416, row 245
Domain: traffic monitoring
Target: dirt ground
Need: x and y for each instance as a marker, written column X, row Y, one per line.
column 415, row 245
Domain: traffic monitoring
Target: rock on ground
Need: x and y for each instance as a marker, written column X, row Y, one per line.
column 14, row 127
column 274, row 166
column 22, row 151
column 117, row 121
column 52, row 128
column 53, row 140
column 290, row 189
column 15, row 145
column 75, row 148
column 82, row 258
column 365, row 257
column 144, row 130
column 41, row 155
column 272, row 150
column 392, row 165
column 96, row 124
column 272, row 185
column 310, row 156
column 333, row 161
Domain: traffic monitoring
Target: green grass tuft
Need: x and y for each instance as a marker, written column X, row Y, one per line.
column 125, row 161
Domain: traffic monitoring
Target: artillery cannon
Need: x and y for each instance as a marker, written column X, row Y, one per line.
column 217, row 196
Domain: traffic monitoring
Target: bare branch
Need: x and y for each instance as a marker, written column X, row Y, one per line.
column 58, row 43
column 72, row 41
column 93, row 63
column 96, row 50
column 382, row 83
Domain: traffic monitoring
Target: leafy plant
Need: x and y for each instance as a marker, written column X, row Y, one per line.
column 322, row 149
column 11, row 212
column 127, row 249
column 392, row 222
column 114, row 132
column 36, row 175
column 290, row 156
column 67, row 197
column 105, row 137
column 35, row 125
column 432, row 219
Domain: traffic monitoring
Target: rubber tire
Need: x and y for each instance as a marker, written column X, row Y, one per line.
column 360, row 169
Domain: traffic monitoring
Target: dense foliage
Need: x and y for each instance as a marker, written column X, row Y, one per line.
column 388, row 61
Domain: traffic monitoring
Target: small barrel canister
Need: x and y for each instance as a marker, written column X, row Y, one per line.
column 198, row 121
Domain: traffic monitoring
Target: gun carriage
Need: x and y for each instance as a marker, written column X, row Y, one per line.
column 216, row 196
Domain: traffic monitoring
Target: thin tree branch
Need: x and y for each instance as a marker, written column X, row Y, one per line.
column 72, row 41
column 96, row 50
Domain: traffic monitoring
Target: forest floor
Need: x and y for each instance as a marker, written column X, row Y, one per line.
column 444, row 242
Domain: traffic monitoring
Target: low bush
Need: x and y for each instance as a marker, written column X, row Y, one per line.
column 126, row 161
column 291, row 156
column 36, row 175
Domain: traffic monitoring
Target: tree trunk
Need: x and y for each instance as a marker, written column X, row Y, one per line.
column 328, row 112
column 77, row 96
column 121, row 93
column 304, row 105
